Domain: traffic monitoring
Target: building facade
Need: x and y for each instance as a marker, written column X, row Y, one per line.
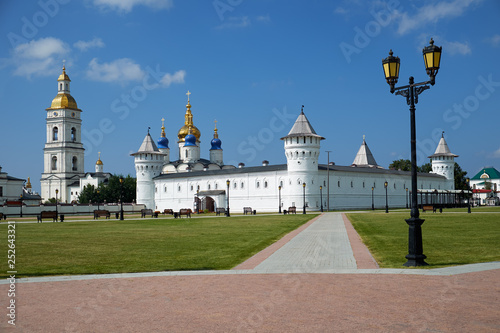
column 193, row 182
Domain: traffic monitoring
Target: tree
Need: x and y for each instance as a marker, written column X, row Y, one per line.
column 460, row 182
column 425, row 168
column 401, row 164
column 405, row 165
column 110, row 191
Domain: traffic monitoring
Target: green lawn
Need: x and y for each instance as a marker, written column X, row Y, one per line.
column 143, row 245
column 448, row 239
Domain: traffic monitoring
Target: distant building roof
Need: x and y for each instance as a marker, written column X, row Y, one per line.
column 364, row 157
column 147, row 146
column 302, row 127
column 487, row 173
column 442, row 149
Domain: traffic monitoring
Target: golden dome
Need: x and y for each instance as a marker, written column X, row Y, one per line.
column 188, row 123
column 63, row 101
column 99, row 162
column 63, row 76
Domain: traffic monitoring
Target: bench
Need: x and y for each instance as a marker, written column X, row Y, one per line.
column 218, row 211
column 47, row 215
column 247, row 210
column 292, row 210
column 429, row 207
column 99, row 213
column 183, row 211
column 145, row 212
column 168, row 211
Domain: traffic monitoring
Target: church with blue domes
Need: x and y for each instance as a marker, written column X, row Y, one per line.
column 190, row 181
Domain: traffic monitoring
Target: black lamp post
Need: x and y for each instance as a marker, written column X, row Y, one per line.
column 406, row 196
column 304, row 206
column 57, row 192
column 279, row 196
column 227, row 197
column 469, row 196
column 432, row 58
column 321, row 196
column 98, row 199
column 373, row 205
column 121, row 198
column 21, row 200
column 386, row 201
column 197, row 201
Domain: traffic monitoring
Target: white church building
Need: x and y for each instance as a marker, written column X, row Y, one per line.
column 189, row 181
column 63, row 174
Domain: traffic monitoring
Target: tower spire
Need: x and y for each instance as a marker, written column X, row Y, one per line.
column 216, row 135
column 163, row 135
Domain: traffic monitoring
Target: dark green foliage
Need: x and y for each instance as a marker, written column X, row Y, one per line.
column 110, row 192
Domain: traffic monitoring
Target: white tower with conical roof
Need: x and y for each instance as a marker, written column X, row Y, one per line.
column 364, row 157
column 443, row 163
column 302, row 147
column 148, row 164
column 63, row 153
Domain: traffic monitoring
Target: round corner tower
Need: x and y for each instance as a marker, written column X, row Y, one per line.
column 443, row 163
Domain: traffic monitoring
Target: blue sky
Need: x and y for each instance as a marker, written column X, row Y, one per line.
column 250, row 65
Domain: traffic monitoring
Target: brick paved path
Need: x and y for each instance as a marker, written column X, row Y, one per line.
column 254, row 298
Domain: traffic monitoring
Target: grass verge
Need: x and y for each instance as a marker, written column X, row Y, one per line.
column 143, row 245
column 448, row 239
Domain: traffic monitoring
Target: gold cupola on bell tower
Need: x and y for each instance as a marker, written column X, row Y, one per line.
column 188, row 123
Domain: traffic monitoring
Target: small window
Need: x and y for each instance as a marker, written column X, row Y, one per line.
column 216, row 186
column 324, row 182
column 55, row 133
column 338, row 183
column 209, row 187
column 165, row 189
column 179, row 188
column 374, row 185
column 242, row 185
column 74, row 163
column 73, row 134
column 352, row 184
column 54, row 163
column 394, row 185
column 304, row 139
column 281, row 183
column 363, row 184
column 234, row 185
column 258, row 184
column 265, row 184
column 191, row 188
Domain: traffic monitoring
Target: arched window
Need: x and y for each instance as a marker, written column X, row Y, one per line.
column 265, row 184
column 54, row 163
column 54, row 133
column 74, row 163
column 60, row 86
column 186, row 154
column 73, row 134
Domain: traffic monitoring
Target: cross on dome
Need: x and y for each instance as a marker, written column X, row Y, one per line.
column 188, row 93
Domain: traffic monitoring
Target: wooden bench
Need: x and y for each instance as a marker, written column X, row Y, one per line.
column 47, row 215
column 183, row 211
column 145, row 212
column 99, row 213
column 218, row 211
column 247, row 210
column 292, row 210
column 168, row 211
column 429, row 207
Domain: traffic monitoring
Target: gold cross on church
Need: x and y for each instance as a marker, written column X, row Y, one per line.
column 188, row 93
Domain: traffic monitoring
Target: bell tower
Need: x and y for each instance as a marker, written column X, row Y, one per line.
column 63, row 152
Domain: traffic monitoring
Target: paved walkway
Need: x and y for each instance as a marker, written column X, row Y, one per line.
column 323, row 245
column 259, row 297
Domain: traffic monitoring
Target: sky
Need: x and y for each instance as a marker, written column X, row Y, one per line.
column 250, row 65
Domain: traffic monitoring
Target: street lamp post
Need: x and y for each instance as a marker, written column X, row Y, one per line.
column 304, row 206
column 279, row 195
column 386, row 201
column 98, row 199
column 197, row 201
column 432, row 58
column 373, row 205
column 328, row 182
column 227, row 197
column 121, row 198
column 406, row 196
column 21, row 200
column 321, row 196
column 469, row 196
column 57, row 192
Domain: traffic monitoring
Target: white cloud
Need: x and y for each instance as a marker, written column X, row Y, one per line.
column 341, row 11
column 235, row 22
column 431, row 13
column 42, row 57
column 119, row 70
column 496, row 153
column 84, row 46
column 264, row 18
column 126, row 6
column 177, row 77
column 494, row 40
column 456, row 47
